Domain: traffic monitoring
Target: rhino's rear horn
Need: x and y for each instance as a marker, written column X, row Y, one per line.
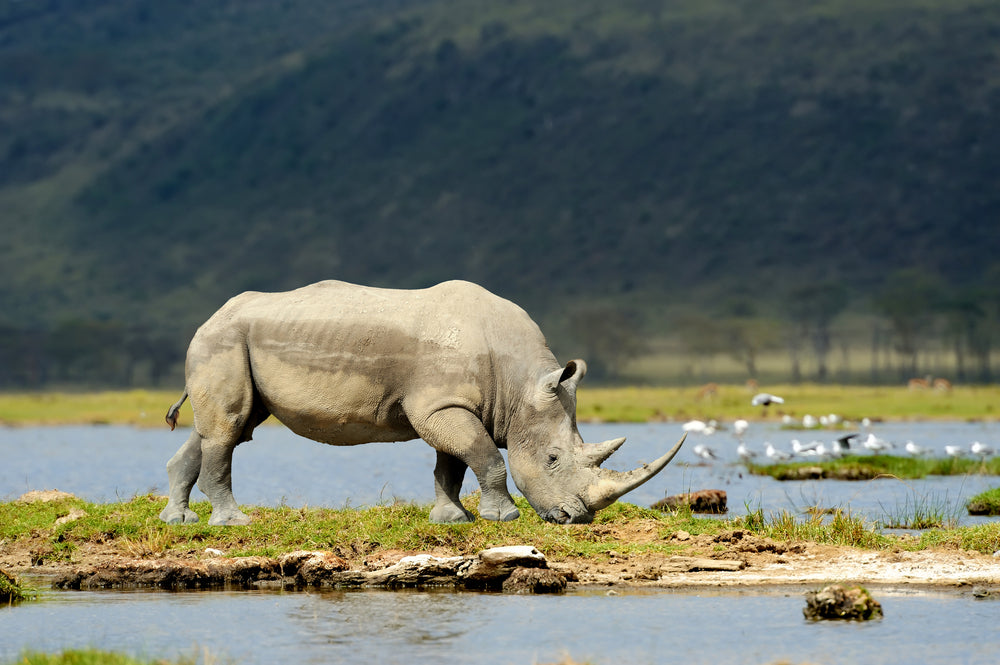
column 613, row 484
column 596, row 453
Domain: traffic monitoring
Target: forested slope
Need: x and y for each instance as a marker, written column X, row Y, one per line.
column 157, row 158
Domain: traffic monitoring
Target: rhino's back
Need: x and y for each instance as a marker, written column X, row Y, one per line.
column 340, row 363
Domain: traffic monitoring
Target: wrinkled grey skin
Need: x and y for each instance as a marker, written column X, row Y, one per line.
column 455, row 365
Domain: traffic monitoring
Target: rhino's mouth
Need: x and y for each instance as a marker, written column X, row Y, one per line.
column 558, row 515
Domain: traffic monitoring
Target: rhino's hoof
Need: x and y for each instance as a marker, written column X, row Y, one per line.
column 511, row 516
column 235, row 518
column 450, row 515
column 171, row 516
column 495, row 516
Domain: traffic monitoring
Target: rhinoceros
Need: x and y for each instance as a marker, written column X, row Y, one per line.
column 465, row 370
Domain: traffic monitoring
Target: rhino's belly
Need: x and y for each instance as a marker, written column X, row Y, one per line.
column 341, row 408
column 345, row 433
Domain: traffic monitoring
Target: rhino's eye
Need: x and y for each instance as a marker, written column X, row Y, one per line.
column 552, row 461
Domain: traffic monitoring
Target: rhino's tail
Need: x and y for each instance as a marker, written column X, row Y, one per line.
column 172, row 413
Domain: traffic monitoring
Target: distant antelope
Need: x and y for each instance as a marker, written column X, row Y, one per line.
column 753, row 386
column 918, row 384
column 707, row 391
column 942, row 385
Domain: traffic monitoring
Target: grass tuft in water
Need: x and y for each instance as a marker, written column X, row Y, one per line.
column 98, row 657
column 985, row 503
column 836, row 528
column 921, row 512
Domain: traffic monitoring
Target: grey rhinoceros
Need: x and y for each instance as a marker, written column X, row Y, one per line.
column 463, row 369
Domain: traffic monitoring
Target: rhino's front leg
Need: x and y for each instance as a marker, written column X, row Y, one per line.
column 458, row 433
column 182, row 472
column 448, row 475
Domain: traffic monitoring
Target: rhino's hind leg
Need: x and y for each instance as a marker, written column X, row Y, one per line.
column 182, row 471
column 216, row 481
column 457, row 432
column 448, row 474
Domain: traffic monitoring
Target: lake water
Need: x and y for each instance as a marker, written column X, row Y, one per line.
column 107, row 463
column 660, row 626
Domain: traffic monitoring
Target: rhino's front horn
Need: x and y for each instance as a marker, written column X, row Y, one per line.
column 613, row 484
column 596, row 453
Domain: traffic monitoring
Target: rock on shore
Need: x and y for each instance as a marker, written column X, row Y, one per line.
column 489, row 569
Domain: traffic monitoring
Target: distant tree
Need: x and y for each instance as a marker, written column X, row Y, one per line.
column 701, row 337
column 21, row 358
column 980, row 336
column 909, row 300
column 88, row 351
column 813, row 308
column 748, row 336
column 608, row 337
column 965, row 327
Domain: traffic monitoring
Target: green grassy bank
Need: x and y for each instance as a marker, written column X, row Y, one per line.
column 866, row 467
column 628, row 404
column 133, row 529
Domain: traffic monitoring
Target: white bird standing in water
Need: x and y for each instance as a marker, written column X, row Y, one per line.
column 980, row 449
column 740, row 427
column 704, row 452
column 745, row 453
column 875, row 444
column 800, row 448
column 915, row 450
column 699, row 427
column 954, row 451
column 775, row 454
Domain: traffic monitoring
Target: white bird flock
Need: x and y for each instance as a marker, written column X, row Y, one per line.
column 815, row 448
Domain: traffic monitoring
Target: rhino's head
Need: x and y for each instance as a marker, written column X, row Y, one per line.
column 559, row 474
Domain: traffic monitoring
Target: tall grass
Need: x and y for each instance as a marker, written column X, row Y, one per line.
column 930, row 511
column 841, row 528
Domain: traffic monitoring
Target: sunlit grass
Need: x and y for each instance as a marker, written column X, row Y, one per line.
column 632, row 404
column 147, row 408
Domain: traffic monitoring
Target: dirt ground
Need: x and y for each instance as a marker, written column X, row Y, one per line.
column 734, row 559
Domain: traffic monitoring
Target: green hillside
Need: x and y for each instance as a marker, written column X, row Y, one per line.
column 643, row 159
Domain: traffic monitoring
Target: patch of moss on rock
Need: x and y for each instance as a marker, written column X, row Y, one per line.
column 838, row 602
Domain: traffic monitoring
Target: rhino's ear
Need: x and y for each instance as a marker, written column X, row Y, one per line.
column 569, row 376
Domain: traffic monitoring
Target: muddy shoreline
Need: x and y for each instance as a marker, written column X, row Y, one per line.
column 736, row 560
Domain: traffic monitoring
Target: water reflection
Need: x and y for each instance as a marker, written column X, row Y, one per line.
column 710, row 626
column 108, row 463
